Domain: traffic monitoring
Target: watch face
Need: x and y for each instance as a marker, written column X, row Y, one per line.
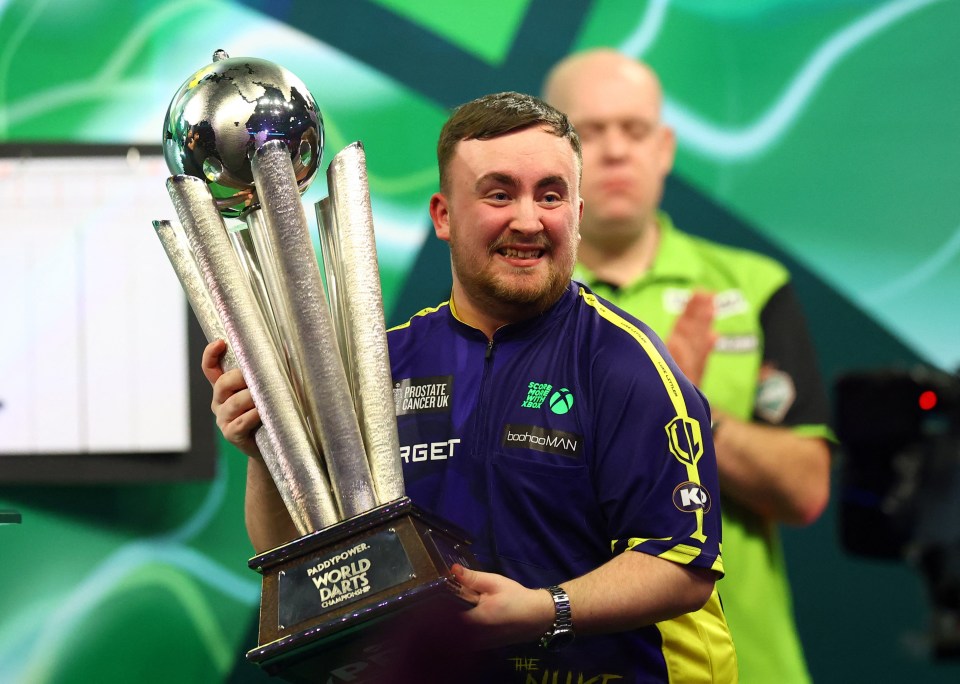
column 558, row 640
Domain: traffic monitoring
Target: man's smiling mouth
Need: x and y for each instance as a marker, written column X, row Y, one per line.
column 512, row 253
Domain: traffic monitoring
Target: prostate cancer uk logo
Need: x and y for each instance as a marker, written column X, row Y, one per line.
column 423, row 395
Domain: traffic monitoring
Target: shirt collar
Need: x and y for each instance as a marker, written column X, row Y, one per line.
column 675, row 259
column 514, row 330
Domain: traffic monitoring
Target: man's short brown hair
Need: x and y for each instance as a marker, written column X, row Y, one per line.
column 494, row 115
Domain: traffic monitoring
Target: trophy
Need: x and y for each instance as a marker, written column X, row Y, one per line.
column 244, row 138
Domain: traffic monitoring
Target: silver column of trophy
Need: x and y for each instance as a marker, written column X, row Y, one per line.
column 244, row 138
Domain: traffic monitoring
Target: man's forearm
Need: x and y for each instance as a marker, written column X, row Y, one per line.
column 632, row 590
column 773, row 471
column 636, row 589
column 268, row 523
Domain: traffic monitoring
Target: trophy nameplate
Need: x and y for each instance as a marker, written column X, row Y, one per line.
column 325, row 595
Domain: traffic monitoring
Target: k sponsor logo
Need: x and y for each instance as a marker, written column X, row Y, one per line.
column 690, row 497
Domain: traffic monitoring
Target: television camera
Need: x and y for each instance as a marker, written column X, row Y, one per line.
column 900, row 480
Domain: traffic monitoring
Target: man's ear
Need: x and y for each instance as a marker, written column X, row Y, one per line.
column 668, row 150
column 440, row 215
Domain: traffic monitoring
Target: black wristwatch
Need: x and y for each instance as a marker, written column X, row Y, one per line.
column 560, row 635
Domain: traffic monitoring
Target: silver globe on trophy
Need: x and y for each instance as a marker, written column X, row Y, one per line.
column 244, row 138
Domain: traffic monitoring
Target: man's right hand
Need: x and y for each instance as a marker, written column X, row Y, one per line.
column 237, row 416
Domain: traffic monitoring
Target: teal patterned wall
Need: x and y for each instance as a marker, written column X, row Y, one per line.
column 826, row 132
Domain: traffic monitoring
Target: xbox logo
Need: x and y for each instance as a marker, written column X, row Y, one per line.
column 561, row 401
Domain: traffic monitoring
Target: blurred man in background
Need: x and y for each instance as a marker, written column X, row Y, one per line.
column 733, row 324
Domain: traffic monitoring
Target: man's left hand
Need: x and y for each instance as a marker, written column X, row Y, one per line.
column 507, row 612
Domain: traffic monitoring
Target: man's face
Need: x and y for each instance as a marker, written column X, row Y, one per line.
column 627, row 152
column 510, row 212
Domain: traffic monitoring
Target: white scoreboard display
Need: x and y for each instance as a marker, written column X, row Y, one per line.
column 95, row 355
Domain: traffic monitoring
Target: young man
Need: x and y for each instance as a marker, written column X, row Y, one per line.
column 734, row 327
column 572, row 449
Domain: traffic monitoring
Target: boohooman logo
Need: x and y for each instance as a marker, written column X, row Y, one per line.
column 542, row 439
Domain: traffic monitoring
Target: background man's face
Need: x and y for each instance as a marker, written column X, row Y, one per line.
column 627, row 152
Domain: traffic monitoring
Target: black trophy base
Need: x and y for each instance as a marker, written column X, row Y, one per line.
column 342, row 603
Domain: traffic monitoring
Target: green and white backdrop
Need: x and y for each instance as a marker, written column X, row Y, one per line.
column 824, row 132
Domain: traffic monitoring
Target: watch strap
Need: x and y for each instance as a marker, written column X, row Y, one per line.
column 562, row 622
